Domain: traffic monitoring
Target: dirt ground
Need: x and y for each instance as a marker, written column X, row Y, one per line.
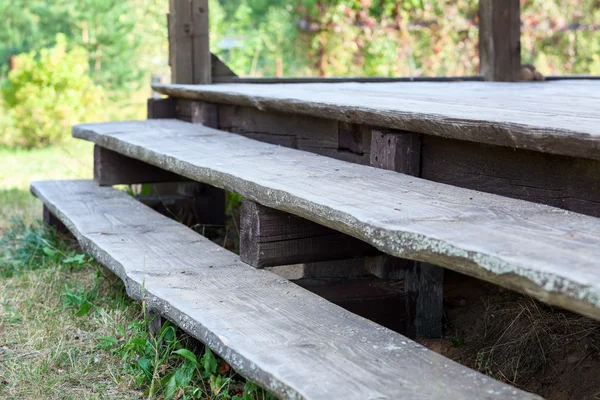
column 513, row 338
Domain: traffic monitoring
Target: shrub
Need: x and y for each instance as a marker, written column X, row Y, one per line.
column 48, row 92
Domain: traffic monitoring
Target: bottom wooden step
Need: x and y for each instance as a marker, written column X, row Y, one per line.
column 291, row 342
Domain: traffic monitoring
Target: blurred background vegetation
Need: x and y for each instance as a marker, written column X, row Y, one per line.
column 69, row 61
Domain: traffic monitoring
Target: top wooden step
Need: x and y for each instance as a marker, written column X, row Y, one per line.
column 539, row 250
column 559, row 117
column 290, row 341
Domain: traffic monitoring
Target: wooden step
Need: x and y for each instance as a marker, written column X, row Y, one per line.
column 559, row 117
column 287, row 339
column 548, row 253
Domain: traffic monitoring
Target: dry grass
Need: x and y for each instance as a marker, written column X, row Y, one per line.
column 46, row 352
column 523, row 337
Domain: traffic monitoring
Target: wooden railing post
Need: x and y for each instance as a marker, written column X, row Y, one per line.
column 500, row 40
column 189, row 43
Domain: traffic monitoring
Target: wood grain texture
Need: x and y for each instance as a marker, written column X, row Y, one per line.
column 181, row 44
column 112, row 168
column 424, row 283
column 500, row 40
column 559, row 117
column 202, row 57
column 396, row 151
column 548, row 253
column 569, row 183
column 269, row 237
column 334, row 79
column 290, row 341
column 339, row 140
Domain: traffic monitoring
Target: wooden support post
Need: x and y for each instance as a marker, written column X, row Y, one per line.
column 189, row 45
column 269, row 237
column 401, row 152
column 198, row 112
column 53, row 222
column 500, row 40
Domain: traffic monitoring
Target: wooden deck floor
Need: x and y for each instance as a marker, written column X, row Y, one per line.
column 560, row 117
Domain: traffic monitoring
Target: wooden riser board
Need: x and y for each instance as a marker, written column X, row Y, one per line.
column 548, row 253
column 559, row 117
column 290, row 341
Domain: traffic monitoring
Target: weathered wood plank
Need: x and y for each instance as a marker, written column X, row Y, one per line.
column 565, row 182
column 548, row 253
column 286, row 339
column 270, row 237
column 362, row 79
column 559, row 117
column 339, row 140
column 112, row 168
column 500, row 40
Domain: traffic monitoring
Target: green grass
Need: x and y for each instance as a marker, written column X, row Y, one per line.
column 67, row 328
column 18, row 168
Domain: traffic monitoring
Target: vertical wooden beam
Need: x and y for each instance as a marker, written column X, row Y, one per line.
column 500, row 40
column 202, row 57
column 189, row 45
column 423, row 282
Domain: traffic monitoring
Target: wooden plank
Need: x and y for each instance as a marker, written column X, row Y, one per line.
column 317, row 135
column 361, row 79
column 270, row 237
column 202, row 57
column 401, row 152
column 161, row 108
column 548, row 253
column 288, row 340
column 111, row 168
column 565, row 182
column 559, row 117
column 500, row 40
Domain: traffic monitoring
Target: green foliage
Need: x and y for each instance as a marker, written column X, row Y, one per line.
column 29, row 247
column 25, row 247
column 164, row 366
column 46, row 95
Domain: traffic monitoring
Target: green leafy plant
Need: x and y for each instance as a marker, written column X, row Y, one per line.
column 47, row 93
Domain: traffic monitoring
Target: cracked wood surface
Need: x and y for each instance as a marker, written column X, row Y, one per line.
column 548, row 253
column 287, row 339
column 560, row 117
